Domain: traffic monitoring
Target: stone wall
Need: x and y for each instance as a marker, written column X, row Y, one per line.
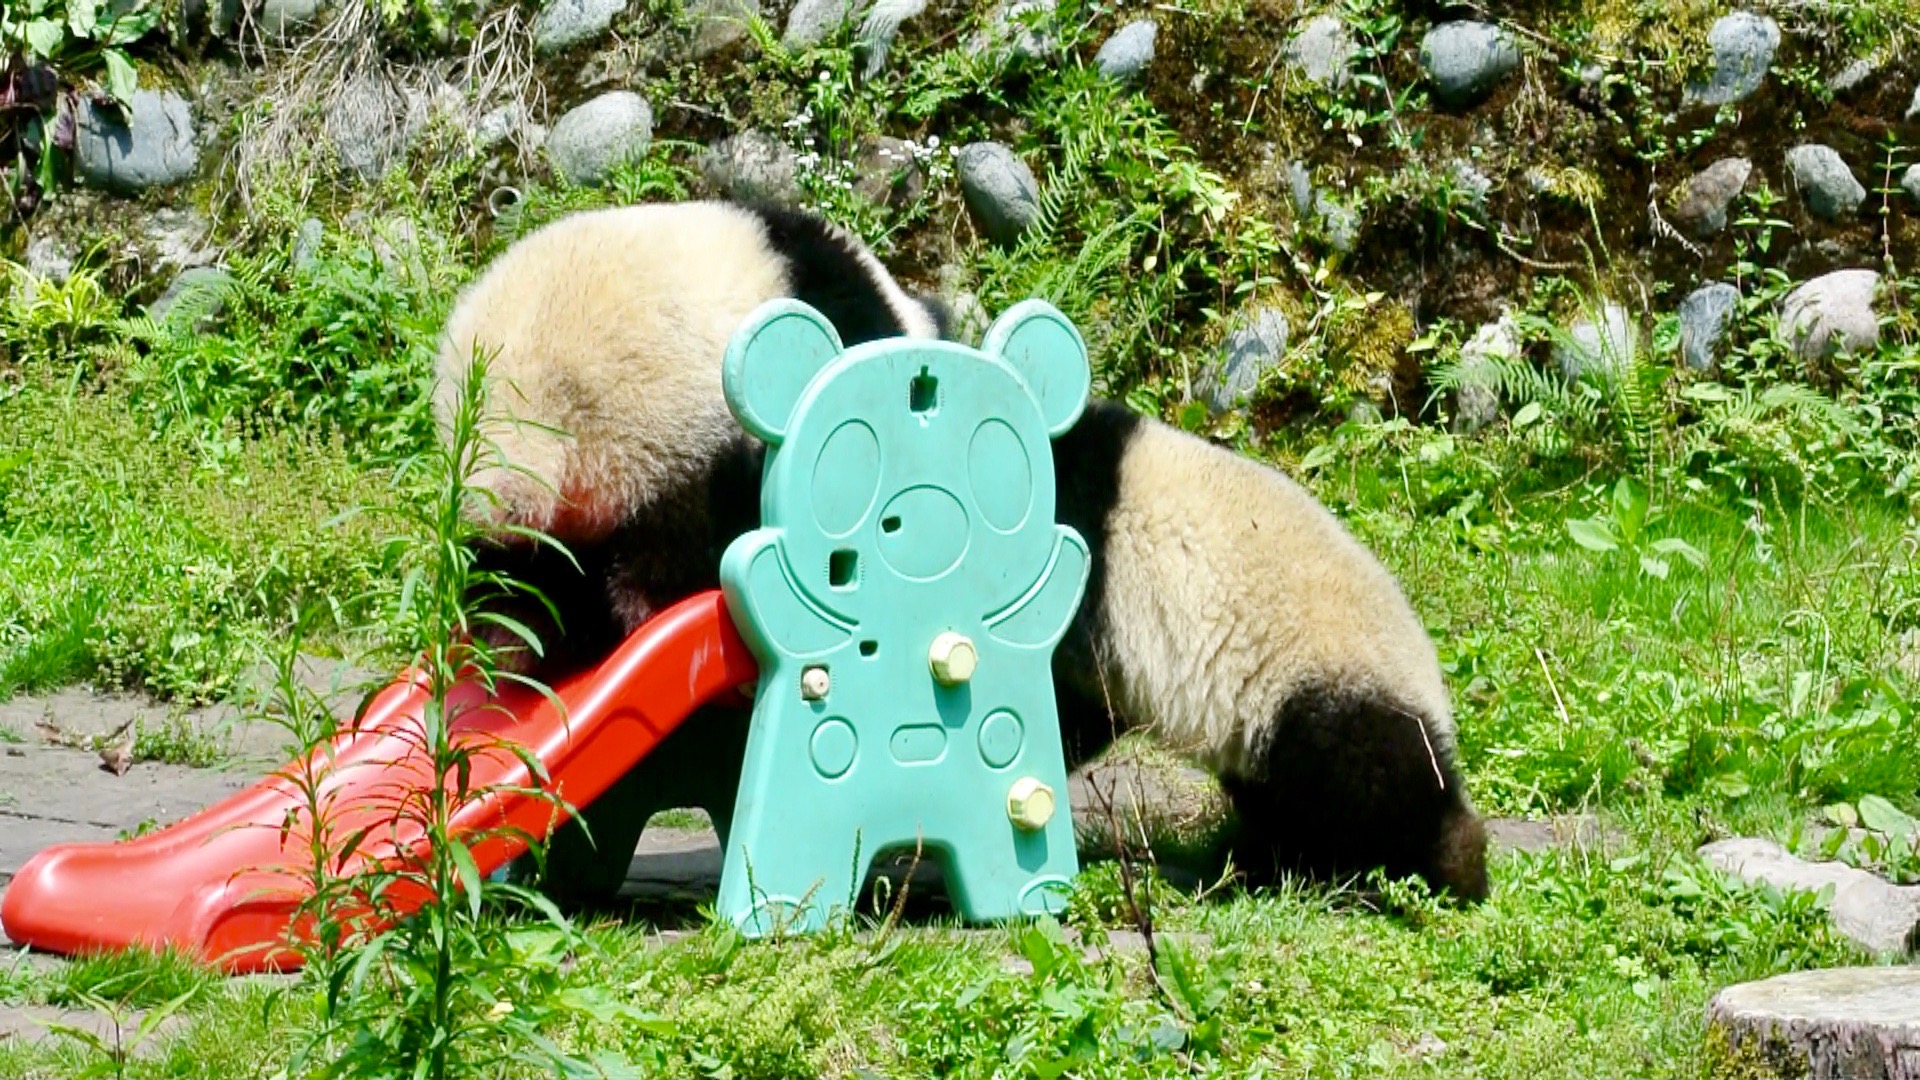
column 1547, row 144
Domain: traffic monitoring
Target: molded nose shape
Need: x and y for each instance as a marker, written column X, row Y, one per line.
column 1030, row 803
column 952, row 658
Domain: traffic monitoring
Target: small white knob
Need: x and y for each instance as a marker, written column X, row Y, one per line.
column 952, row 658
column 1030, row 803
column 814, row 683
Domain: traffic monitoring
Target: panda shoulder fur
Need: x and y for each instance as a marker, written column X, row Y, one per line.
column 604, row 332
column 1235, row 619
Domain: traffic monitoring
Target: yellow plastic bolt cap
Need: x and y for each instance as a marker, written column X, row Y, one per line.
column 1030, row 803
column 814, row 683
column 952, row 658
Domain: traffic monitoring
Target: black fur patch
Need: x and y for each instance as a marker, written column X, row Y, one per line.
column 827, row 273
column 662, row 553
column 1349, row 783
column 1086, row 470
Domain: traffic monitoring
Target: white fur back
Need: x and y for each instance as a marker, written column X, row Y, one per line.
column 609, row 325
column 1229, row 588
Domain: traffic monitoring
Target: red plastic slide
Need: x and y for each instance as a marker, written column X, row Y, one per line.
column 224, row 883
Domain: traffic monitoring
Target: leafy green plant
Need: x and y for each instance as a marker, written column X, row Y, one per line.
column 342, row 346
column 114, row 1050
column 49, row 50
column 1369, row 100
column 1625, row 529
column 421, row 26
column 420, row 976
column 1875, row 834
column 73, row 324
column 76, row 36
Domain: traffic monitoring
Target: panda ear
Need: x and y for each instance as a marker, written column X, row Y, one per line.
column 771, row 359
column 1038, row 341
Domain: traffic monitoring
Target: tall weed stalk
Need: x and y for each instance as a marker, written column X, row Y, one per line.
column 428, row 967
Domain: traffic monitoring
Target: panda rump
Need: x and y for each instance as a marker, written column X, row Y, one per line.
column 1236, row 620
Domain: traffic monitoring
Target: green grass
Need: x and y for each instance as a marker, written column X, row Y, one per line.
column 127, row 557
column 1582, row 965
column 1674, row 708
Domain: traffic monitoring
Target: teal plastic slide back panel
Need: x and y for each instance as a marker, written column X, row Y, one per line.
column 904, row 596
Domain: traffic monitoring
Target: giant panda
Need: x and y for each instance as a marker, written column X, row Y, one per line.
column 604, row 423
column 1229, row 615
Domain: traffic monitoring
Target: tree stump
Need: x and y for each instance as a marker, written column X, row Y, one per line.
column 1858, row 1023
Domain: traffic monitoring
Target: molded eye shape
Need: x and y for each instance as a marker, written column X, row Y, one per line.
column 1002, row 474
column 846, row 477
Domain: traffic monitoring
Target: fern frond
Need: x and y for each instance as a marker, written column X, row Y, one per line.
column 1063, row 185
column 1517, row 381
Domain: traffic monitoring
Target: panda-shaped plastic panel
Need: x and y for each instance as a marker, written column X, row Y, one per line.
column 904, row 596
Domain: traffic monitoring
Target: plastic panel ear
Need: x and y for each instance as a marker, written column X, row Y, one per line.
column 1045, row 348
column 777, row 351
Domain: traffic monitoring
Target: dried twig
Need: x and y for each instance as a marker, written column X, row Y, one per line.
column 1562, row 705
column 1661, row 228
column 899, row 904
column 339, row 78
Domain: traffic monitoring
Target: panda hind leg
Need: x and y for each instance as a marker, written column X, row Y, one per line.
column 1349, row 783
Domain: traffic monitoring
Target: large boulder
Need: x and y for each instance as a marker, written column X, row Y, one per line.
column 154, row 145
column 1601, row 348
column 283, row 19
column 752, row 164
column 1743, row 45
column 1323, row 51
column 368, row 124
column 813, row 21
column 1832, row 314
column 587, row 142
column 1826, row 184
column 1467, row 59
column 880, row 26
column 1855, row 75
column 563, row 24
column 1879, row 916
column 1251, row 351
column 720, row 23
column 204, row 287
column 1704, row 317
column 1019, row 30
column 1703, row 202
column 1127, row 53
column 889, row 171
column 999, row 190
column 1476, row 394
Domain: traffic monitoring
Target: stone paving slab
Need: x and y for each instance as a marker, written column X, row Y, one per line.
column 30, row 1023
column 51, row 794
